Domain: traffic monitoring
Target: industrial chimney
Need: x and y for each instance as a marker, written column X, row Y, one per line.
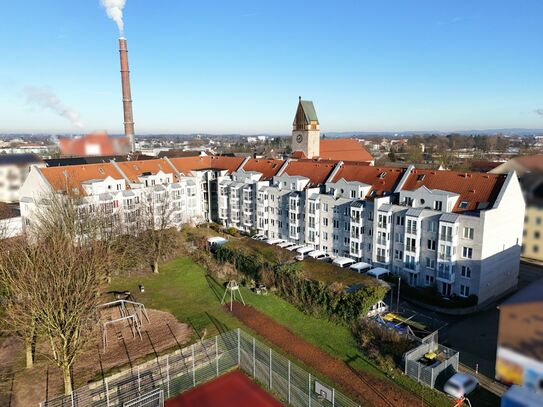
column 127, row 97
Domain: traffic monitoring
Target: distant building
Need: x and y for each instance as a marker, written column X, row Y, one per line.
column 94, row 144
column 306, row 141
column 519, row 358
column 14, row 169
column 530, row 171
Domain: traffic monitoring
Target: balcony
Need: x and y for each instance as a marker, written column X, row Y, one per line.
column 381, row 259
column 446, row 276
column 444, row 256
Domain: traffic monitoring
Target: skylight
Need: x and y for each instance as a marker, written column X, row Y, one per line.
column 420, row 177
column 463, row 204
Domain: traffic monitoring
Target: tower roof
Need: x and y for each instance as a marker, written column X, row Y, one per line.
column 307, row 110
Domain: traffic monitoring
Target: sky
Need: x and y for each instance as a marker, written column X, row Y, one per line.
column 215, row 66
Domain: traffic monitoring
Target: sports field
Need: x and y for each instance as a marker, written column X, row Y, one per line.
column 231, row 389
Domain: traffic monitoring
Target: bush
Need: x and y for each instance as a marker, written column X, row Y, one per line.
column 310, row 296
column 385, row 346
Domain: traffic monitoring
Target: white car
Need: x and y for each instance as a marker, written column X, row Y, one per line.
column 460, row 385
column 258, row 237
column 292, row 248
column 320, row 255
column 299, row 257
column 284, row 245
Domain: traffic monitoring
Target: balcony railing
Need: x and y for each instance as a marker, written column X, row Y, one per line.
column 381, row 259
column 413, row 231
column 409, row 248
column 382, row 241
column 447, row 276
column 444, row 256
column 446, row 238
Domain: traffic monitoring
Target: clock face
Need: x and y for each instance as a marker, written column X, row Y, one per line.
column 299, row 138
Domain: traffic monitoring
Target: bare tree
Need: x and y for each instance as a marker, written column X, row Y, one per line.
column 64, row 262
column 156, row 223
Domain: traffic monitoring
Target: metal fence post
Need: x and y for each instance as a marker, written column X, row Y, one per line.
column 139, row 381
column 289, row 381
column 168, row 375
column 239, row 346
column 270, row 368
column 107, row 392
column 72, row 397
column 254, row 358
column 309, row 391
column 193, row 368
column 217, row 354
column 333, row 397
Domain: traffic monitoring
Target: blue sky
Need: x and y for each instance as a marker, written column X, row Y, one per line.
column 238, row 66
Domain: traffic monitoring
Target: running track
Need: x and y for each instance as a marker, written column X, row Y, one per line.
column 231, row 389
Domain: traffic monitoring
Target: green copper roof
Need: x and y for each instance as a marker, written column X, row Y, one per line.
column 309, row 110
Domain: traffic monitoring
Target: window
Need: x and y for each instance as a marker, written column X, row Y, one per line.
column 429, row 280
column 398, row 254
column 382, row 175
column 536, row 235
column 324, row 207
column 467, row 252
column 463, row 204
column 430, row 263
column 353, row 194
column 464, row 290
column 431, row 244
column 438, row 205
column 400, row 220
column 466, row 271
column 325, row 221
column 432, row 226
column 420, row 177
column 468, row 233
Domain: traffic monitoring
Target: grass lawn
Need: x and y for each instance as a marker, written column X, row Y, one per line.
column 182, row 289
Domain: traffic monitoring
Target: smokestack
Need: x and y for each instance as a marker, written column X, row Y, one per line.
column 127, row 96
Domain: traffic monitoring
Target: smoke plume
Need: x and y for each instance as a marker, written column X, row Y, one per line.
column 539, row 111
column 114, row 10
column 46, row 99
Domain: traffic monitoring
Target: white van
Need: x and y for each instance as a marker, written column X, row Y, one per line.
column 360, row 267
column 343, row 262
column 319, row 255
column 303, row 251
column 378, row 272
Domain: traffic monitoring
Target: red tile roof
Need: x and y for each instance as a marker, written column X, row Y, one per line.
column 343, row 149
column 71, row 177
column 298, row 154
column 268, row 168
column 473, row 187
column 186, row 164
column 370, row 175
column 134, row 169
column 317, row 172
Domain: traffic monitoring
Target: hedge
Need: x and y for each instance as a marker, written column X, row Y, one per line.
column 311, row 296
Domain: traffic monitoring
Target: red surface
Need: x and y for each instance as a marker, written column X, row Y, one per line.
column 230, row 390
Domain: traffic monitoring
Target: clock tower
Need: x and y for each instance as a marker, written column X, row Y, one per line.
column 305, row 129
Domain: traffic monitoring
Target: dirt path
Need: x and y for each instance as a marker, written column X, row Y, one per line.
column 374, row 391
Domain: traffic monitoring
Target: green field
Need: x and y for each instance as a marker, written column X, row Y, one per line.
column 183, row 289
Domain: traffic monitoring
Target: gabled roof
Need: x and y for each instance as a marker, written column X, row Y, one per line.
column 316, row 171
column 268, row 168
column 70, row 178
column 345, row 149
column 135, row 169
column 382, row 179
column 307, row 110
column 187, row 164
column 474, row 188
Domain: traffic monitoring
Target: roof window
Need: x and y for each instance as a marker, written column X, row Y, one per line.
column 420, row 177
column 101, row 171
column 463, row 204
column 382, row 175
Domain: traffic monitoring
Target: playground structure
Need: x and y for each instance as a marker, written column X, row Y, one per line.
column 131, row 312
column 233, row 288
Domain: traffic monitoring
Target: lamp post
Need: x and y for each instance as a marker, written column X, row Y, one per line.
column 398, row 299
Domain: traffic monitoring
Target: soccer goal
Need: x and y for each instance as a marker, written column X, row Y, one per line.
column 154, row 398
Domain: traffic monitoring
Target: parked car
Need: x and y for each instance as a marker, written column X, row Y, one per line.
column 343, row 262
column 258, row 237
column 284, row 245
column 360, row 267
column 299, row 257
column 293, row 248
column 460, row 385
column 319, row 255
column 274, row 241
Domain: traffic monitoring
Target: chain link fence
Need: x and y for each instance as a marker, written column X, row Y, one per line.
column 174, row 373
